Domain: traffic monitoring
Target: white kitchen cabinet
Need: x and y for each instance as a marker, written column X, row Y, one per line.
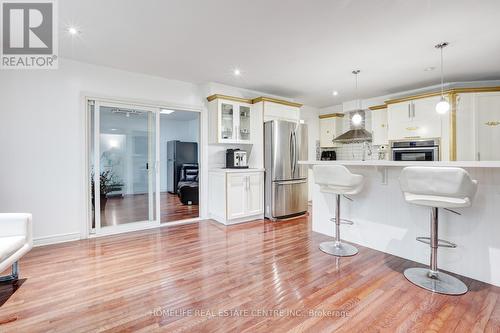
column 275, row 109
column 488, row 126
column 478, row 126
column 255, row 190
column 379, row 127
column 236, row 196
column 230, row 120
column 415, row 119
column 330, row 126
column 236, row 202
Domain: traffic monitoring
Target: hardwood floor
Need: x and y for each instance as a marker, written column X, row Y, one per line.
column 134, row 208
column 142, row 281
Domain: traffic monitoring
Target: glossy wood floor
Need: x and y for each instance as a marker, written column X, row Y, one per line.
column 123, row 283
column 134, row 208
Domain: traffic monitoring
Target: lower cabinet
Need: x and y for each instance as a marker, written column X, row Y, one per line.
column 236, row 196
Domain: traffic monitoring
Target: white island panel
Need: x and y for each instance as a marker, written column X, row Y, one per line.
column 385, row 222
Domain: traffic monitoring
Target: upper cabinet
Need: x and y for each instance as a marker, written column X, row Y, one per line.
column 478, row 126
column 415, row 119
column 379, row 126
column 275, row 109
column 330, row 126
column 236, row 120
column 230, row 120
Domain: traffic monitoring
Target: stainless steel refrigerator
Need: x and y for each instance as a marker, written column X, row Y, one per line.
column 286, row 188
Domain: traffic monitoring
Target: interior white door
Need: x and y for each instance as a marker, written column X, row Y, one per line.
column 236, row 195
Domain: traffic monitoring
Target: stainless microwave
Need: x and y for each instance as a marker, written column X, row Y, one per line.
column 417, row 150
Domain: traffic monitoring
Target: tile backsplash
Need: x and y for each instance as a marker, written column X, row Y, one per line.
column 354, row 151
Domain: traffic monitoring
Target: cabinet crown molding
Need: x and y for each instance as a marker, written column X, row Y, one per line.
column 452, row 91
column 253, row 100
column 277, row 101
column 378, row 107
column 331, row 115
column 229, row 98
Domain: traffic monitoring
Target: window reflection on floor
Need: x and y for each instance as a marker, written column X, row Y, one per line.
column 133, row 208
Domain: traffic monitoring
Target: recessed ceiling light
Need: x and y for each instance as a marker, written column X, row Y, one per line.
column 166, row 111
column 335, row 93
column 73, row 31
column 236, row 72
column 114, row 129
column 429, row 69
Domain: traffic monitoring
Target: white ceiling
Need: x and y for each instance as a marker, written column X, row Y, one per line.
column 294, row 48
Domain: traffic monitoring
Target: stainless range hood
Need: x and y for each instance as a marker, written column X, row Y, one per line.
column 354, row 135
column 357, row 133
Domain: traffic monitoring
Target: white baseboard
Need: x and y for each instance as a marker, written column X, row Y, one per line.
column 54, row 239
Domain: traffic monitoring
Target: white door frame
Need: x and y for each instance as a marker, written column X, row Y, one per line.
column 148, row 105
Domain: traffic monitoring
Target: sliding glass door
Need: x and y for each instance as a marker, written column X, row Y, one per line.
column 123, row 168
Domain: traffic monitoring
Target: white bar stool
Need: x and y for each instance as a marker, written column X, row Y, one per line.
column 338, row 180
column 437, row 187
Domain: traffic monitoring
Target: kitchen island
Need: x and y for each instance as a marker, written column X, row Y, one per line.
column 385, row 222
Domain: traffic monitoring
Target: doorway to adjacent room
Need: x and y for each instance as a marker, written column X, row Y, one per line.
column 143, row 166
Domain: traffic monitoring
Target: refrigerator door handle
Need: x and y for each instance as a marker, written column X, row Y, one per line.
column 291, row 152
column 290, row 182
column 295, row 152
column 292, row 155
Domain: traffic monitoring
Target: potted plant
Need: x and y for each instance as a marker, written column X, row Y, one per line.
column 108, row 183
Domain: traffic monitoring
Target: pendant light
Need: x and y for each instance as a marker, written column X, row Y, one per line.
column 443, row 105
column 357, row 118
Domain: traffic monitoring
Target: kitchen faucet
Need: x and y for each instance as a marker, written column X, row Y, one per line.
column 366, row 147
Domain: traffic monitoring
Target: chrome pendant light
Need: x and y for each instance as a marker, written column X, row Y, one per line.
column 443, row 105
column 357, row 119
column 357, row 131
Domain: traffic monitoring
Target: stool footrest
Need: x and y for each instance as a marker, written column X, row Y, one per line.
column 342, row 221
column 441, row 242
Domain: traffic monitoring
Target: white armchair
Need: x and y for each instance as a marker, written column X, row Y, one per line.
column 16, row 239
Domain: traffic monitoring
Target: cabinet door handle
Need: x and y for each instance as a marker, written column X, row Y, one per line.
column 409, row 111
column 413, row 109
column 492, row 123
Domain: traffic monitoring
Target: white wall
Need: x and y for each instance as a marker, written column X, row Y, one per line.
column 310, row 116
column 43, row 137
column 42, row 120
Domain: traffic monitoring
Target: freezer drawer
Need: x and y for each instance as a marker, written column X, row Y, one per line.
column 288, row 198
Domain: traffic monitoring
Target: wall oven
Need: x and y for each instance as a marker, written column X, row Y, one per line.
column 419, row 150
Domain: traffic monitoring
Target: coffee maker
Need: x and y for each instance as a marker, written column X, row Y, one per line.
column 236, row 159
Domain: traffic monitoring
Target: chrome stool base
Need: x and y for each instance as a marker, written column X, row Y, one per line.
column 442, row 283
column 338, row 249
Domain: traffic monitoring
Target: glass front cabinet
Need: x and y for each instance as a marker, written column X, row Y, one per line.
column 230, row 120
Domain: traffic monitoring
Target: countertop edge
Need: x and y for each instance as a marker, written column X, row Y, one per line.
column 224, row 170
column 384, row 163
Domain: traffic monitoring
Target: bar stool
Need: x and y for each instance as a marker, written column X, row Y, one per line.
column 338, row 180
column 437, row 187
